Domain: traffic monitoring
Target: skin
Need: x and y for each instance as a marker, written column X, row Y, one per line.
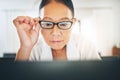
column 28, row 31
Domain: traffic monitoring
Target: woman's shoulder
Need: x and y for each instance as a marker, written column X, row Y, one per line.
column 80, row 39
column 86, row 47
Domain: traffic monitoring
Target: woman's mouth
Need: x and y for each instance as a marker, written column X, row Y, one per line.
column 56, row 41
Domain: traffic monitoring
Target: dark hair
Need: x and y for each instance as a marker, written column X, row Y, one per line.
column 67, row 3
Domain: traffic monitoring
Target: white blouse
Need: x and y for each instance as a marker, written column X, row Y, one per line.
column 78, row 48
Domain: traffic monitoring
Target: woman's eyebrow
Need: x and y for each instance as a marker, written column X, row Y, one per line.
column 64, row 18
column 47, row 18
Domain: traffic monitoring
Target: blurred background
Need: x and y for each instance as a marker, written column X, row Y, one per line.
column 99, row 22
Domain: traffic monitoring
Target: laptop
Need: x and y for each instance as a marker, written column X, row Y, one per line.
column 60, row 70
column 8, row 57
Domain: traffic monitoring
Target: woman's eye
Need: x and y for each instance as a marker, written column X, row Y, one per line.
column 48, row 24
column 63, row 24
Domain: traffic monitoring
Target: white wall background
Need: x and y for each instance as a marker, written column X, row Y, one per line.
column 100, row 22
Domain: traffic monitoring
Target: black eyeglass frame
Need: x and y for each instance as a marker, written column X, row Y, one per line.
column 54, row 23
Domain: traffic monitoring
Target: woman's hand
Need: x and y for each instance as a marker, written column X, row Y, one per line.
column 28, row 31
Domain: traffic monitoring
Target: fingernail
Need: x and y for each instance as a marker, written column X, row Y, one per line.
column 33, row 27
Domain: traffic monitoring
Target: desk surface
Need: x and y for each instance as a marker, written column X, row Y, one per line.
column 60, row 70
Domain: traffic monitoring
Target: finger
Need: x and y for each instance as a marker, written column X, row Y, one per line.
column 20, row 19
column 24, row 26
column 29, row 22
column 27, row 19
column 15, row 22
column 32, row 23
column 36, row 28
column 36, row 20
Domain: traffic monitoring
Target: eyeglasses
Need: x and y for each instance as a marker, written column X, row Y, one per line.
column 64, row 25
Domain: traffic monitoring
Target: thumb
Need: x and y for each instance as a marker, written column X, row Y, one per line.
column 37, row 25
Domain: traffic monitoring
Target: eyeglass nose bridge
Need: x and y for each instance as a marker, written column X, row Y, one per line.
column 55, row 24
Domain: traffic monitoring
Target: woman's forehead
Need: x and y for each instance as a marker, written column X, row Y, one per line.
column 55, row 11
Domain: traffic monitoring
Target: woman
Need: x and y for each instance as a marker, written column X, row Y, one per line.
column 55, row 28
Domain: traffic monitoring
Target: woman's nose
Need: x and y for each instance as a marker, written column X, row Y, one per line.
column 56, row 31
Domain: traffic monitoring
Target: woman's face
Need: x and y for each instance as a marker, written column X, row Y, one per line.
column 56, row 12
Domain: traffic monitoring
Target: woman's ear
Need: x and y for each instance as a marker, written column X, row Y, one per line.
column 74, row 20
column 39, row 18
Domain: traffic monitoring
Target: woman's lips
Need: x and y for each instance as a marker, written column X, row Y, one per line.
column 56, row 41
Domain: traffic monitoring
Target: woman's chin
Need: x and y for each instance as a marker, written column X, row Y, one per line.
column 57, row 47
